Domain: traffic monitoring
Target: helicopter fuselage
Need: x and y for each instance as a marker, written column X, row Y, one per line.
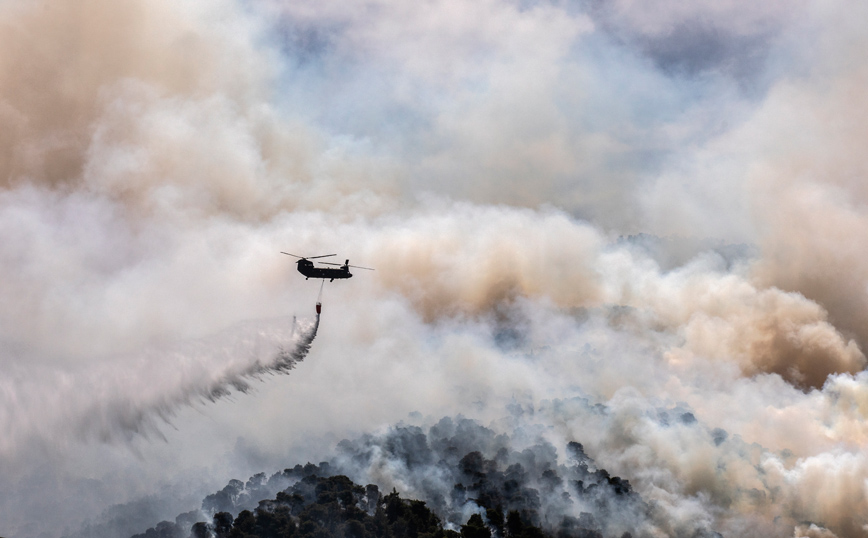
column 307, row 268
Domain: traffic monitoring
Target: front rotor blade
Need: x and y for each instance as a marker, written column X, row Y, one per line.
column 293, row 255
column 323, row 256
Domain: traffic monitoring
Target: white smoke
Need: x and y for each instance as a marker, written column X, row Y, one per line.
column 494, row 162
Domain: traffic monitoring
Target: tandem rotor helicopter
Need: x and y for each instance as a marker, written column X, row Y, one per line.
column 306, row 267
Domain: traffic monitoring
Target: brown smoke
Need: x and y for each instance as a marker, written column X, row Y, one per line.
column 146, row 175
column 767, row 331
column 469, row 260
column 808, row 183
column 144, row 104
column 57, row 59
column 459, row 260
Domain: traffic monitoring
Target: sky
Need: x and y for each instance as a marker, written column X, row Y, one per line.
column 648, row 205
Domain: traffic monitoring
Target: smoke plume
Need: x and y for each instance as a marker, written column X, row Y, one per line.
column 637, row 227
column 461, row 468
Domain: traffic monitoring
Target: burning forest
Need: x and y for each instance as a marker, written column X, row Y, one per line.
column 619, row 245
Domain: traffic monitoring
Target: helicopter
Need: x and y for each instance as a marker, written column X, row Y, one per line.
column 306, row 267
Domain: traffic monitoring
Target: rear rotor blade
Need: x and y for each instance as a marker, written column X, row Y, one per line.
column 329, row 263
column 360, row 267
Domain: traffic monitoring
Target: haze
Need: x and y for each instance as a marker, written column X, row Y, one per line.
column 649, row 205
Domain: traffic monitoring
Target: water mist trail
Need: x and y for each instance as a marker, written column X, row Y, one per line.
column 198, row 375
column 283, row 361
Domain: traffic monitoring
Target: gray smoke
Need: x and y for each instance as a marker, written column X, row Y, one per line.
column 459, row 467
column 486, row 157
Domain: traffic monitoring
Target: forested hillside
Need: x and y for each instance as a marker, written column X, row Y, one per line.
column 458, row 479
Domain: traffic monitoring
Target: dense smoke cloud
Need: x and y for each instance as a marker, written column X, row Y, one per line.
column 496, row 162
column 463, row 468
